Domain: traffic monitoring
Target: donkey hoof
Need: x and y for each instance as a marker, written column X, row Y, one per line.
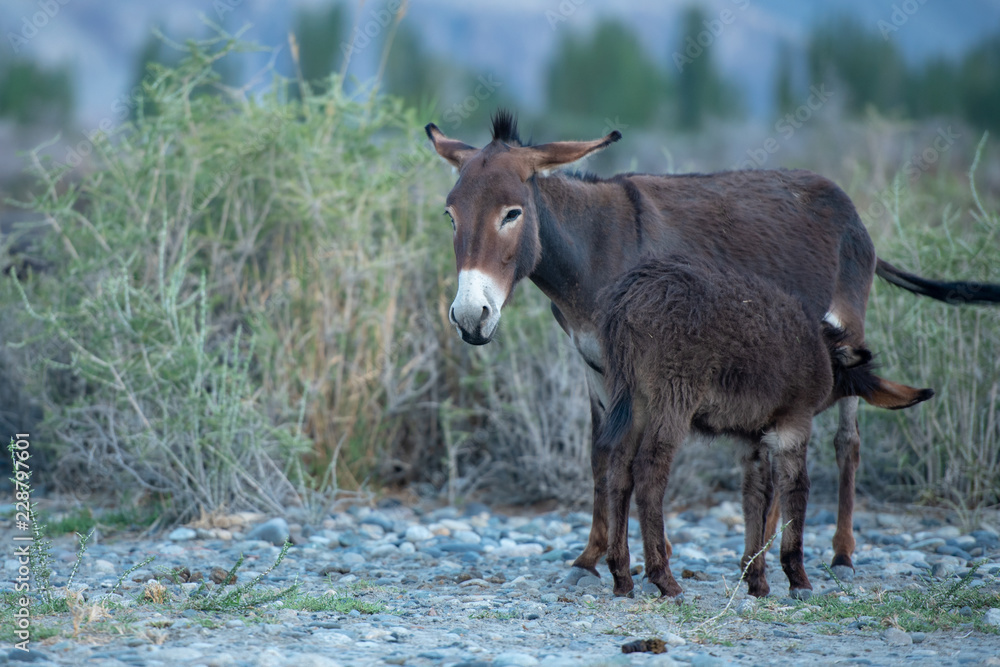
column 801, row 594
column 577, row 573
column 624, row 592
column 844, row 573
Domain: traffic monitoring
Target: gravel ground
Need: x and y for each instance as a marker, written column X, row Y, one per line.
column 477, row 587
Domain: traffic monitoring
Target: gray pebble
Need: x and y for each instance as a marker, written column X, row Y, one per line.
column 896, row 637
column 275, row 532
column 182, row 534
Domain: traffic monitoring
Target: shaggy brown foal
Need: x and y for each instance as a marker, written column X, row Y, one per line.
column 716, row 352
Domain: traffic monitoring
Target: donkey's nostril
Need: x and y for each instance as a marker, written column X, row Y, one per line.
column 451, row 315
column 485, row 316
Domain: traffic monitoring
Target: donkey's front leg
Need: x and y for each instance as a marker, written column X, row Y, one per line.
column 597, row 542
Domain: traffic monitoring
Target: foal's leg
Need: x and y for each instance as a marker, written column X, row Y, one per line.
column 620, row 483
column 758, row 492
column 848, row 445
column 651, row 470
column 793, row 482
column 597, row 542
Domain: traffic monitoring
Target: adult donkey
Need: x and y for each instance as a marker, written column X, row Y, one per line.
column 573, row 235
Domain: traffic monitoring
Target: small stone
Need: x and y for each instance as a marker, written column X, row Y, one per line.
column 674, row 640
column 176, row 654
column 992, row 617
column 575, row 575
column 942, row 570
column 467, row 536
column 182, row 534
column 821, row 518
column 222, row 576
column 353, row 558
column 104, row 566
column 896, row 637
column 274, row 531
column 745, row 606
column 418, row 533
column 929, row 543
column 514, row 659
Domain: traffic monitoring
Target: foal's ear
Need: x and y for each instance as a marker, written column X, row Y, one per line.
column 452, row 150
column 557, row 153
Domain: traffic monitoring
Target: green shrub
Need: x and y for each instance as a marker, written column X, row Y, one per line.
column 946, row 450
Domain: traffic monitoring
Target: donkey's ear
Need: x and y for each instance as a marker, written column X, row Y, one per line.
column 452, row 150
column 549, row 156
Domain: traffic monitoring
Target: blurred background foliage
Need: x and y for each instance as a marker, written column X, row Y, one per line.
column 235, row 296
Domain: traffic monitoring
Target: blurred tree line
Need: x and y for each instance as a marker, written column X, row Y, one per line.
column 874, row 74
column 602, row 76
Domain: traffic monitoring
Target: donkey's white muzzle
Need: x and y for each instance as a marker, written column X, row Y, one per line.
column 476, row 309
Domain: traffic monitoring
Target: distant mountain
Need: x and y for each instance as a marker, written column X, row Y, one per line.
column 511, row 41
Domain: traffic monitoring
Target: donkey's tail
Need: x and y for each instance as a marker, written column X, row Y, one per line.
column 955, row 292
column 617, row 421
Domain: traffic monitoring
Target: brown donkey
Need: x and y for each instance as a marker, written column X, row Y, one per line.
column 573, row 235
column 693, row 348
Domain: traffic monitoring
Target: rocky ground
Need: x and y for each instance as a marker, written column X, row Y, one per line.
column 390, row 585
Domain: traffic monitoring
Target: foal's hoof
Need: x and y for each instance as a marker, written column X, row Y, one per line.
column 844, row 573
column 802, row 594
column 577, row 573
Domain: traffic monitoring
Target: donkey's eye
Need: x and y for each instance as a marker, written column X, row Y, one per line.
column 512, row 215
column 448, row 214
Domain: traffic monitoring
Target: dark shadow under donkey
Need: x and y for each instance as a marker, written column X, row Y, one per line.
column 696, row 348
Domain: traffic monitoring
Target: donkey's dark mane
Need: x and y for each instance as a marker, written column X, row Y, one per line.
column 505, row 127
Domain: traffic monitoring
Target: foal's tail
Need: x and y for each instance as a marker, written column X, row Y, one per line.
column 854, row 375
column 954, row 292
column 617, row 420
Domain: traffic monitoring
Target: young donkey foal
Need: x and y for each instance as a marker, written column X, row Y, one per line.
column 694, row 348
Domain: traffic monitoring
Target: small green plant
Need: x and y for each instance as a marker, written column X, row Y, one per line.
column 244, row 596
column 938, row 606
column 495, row 614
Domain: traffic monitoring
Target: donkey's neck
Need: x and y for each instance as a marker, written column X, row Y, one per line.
column 587, row 239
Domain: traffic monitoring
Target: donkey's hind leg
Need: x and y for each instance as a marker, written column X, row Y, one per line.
column 758, row 497
column 847, row 443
